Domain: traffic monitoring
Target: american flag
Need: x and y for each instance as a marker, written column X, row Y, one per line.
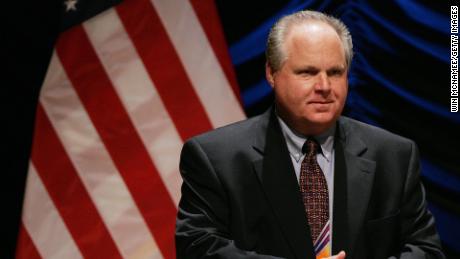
column 123, row 91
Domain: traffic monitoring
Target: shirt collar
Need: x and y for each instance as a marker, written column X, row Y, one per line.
column 295, row 141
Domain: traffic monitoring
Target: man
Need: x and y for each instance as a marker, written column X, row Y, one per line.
column 300, row 181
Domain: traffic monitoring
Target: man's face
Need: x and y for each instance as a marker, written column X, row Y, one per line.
column 311, row 86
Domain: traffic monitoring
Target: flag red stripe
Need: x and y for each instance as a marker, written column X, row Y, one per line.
column 26, row 248
column 68, row 192
column 164, row 67
column 116, row 130
column 208, row 16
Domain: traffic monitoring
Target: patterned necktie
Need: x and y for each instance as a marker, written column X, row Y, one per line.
column 315, row 196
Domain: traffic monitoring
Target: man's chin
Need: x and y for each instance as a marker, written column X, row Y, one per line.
column 322, row 118
column 321, row 121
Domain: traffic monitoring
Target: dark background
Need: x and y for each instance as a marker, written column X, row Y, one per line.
column 399, row 80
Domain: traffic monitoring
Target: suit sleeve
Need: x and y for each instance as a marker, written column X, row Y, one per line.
column 203, row 215
column 419, row 236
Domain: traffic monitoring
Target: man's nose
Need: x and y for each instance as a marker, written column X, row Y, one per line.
column 323, row 83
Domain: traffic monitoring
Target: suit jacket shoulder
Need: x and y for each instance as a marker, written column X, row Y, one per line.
column 376, row 144
column 371, row 134
column 233, row 133
column 223, row 144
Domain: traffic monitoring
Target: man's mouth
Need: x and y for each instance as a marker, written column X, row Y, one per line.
column 321, row 102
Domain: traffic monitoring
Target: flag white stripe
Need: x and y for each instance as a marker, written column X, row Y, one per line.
column 94, row 165
column 200, row 61
column 43, row 222
column 139, row 96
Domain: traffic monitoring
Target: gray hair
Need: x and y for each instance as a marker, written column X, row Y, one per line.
column 274, row 53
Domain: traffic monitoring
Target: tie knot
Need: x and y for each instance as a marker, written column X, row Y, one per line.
column 310, row 146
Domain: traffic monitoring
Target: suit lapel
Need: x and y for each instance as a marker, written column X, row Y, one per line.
column 340, row 233
column 354, row 177
column 276, row 174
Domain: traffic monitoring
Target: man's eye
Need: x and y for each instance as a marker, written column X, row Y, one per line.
column 308, row 72
column 335, row 72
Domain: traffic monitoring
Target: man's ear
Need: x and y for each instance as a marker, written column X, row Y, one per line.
column 269, row 75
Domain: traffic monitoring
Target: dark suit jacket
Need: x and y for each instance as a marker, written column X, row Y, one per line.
column 241, row 199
